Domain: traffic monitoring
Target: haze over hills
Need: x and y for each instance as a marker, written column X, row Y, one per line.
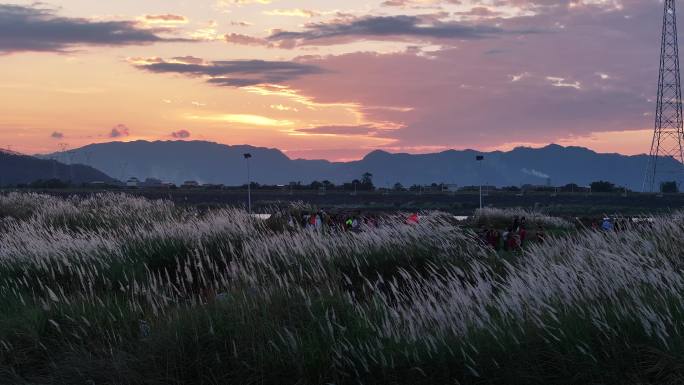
column 22, row 169
column 207, row 162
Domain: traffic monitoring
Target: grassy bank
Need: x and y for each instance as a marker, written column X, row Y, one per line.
column 115, row 289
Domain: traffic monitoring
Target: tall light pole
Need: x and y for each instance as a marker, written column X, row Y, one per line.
column 480, row 159
column 71, row 165
column 249, row 183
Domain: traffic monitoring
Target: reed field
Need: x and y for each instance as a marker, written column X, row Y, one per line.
column 115, row 289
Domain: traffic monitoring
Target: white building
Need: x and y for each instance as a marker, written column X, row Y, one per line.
column 133, row 182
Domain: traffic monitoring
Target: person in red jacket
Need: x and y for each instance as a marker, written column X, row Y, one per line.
column 493, row 238
column 513, row 240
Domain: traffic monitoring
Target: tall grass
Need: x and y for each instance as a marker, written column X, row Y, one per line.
column 113, row 289
column 504, row 217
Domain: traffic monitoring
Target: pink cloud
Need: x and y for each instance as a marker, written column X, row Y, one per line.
column 536, row 88
column 181, row 134
column 119, row 131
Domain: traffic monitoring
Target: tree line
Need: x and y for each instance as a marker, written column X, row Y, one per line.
column 365, row 183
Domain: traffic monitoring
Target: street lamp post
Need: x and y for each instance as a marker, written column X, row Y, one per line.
column 249, row 183
column 479, row 159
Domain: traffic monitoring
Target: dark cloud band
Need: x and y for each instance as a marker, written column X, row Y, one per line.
column 24, row 29
column 236, row 73
column 384, row 28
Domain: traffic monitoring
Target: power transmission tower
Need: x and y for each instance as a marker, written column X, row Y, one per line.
column 668, row 136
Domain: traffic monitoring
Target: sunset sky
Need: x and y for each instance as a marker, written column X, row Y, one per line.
column 330, row 78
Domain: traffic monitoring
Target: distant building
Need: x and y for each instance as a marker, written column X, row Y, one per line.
column 190, row 184
column 153, row 183
column 133, row 182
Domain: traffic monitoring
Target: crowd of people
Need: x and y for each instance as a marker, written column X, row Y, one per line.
column 507, row 238
column 512, row 238
column 322, row 220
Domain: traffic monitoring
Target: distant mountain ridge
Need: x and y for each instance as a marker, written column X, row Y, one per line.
column 10, row 152
column 208, row 162
column 23, row 169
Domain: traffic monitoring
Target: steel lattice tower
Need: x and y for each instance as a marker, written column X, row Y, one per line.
column 668, row 135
